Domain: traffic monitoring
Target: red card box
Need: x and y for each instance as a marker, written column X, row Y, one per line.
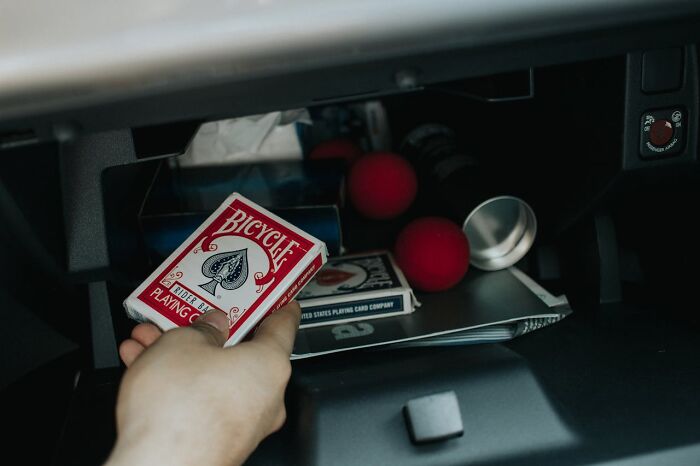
column 243, row 261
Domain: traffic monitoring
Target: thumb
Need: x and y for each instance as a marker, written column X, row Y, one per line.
column 213, row 326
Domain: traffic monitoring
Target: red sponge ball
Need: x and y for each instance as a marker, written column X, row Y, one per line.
column 382, row 185
column 433, row 253
column 336, row 149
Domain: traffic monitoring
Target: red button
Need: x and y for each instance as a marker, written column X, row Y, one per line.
column 660, row 133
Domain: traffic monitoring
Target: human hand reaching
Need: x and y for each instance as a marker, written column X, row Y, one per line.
column 186, row 400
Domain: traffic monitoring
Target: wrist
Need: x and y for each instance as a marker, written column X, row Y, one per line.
column 179, row 448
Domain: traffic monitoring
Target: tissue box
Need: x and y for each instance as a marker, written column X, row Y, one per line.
column 162, row 234
column 270, row 185
column 243, row 260
column 305, row 194
column 356, row 287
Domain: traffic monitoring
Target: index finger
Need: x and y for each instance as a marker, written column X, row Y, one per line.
column 280, row 328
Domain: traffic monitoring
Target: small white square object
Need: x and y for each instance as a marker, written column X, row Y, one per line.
column 433, row 418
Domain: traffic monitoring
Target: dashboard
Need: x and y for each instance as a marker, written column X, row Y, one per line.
column 93, row 66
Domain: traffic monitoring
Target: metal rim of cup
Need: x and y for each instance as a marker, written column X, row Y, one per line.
column 510, row 249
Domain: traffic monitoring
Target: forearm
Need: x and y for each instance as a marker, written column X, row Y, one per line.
column 178, row 449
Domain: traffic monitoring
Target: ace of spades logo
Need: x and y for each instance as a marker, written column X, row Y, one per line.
column 228, row 269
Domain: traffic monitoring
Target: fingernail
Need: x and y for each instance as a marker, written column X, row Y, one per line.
column 216, row 319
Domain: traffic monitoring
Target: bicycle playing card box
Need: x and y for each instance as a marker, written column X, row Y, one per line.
column 355, row 287
column 243, row 260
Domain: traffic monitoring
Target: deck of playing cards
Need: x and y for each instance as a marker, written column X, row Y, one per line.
column 357, row 287
column 243, row 260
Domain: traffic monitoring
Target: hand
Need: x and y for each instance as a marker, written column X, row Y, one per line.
column 186, row 400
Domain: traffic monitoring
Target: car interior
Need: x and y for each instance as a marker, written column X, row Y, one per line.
column 586, row 109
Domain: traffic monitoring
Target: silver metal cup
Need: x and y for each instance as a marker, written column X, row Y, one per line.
column 501, row 231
